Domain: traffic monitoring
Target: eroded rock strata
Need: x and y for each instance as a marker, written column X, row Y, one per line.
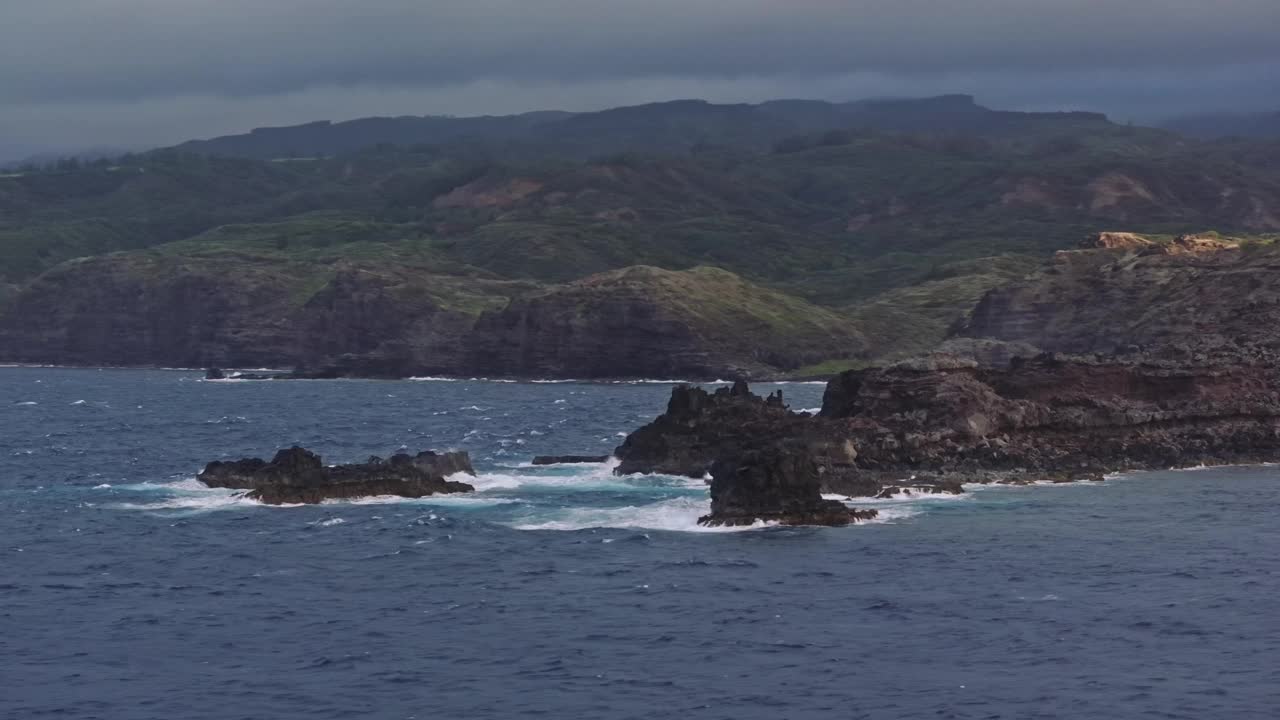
column 932, row 423
column 297, row 475
column 1193, row 297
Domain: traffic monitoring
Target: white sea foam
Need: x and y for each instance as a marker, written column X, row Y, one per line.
column 582, row 476
column 327, row 523
column 891, row 514
column 78, row 402
column 223, row 500
column 900, row 499
column 103, row 486
column 434, row 500
column 27, row 403
column 191, row 494
column 676, row 514
column 811, row 411
column 431, row 378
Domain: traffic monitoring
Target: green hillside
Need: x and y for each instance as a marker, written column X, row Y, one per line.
column 896, row 221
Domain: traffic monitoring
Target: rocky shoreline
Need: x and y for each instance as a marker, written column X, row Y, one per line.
column 932, row 424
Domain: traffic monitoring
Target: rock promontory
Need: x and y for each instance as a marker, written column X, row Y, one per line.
column 931, row 424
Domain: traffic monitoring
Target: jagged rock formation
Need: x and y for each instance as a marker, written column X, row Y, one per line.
column 297, row 476
column 776, row 484
column 1055, row 417
column 700, row 427
column 930, row 424
column 1193, row 296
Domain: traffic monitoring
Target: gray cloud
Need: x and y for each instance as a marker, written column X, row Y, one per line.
column 138, row 71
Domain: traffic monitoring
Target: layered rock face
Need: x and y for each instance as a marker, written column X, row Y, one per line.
column 1193, row 296
column 776, row 484
column 297, row 475
column 1055, row 417
column 110, row 312
column 368, row 324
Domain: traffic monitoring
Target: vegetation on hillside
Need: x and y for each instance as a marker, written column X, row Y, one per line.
column 893, row 217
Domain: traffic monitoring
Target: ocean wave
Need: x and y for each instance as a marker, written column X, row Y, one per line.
column 576, row 476
column 191, row 494
column 27, row 403
column 214, row 499
column 902, row 499
column 450, row 500
column 892, row 514
column 674, row 515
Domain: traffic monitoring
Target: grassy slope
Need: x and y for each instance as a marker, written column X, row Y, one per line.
column 897, row 236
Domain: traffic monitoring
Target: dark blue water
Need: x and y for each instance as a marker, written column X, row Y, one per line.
column 126, row 591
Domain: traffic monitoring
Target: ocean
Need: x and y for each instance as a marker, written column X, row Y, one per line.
column 130, row 592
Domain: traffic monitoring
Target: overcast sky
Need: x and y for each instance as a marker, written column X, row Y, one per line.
column 80, row 73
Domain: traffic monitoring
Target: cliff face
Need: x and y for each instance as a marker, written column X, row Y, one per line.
column 375, row 325
column 1058, row 416
column 393, row 321
column 1182, row 297
column 115, row 312
column 658, row 323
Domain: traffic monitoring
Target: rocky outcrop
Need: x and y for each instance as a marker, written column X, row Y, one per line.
column 569, row 459
column 931, row 424
column 1055, row 417
column 773, row 485
column 700, row 427
column 297, row 475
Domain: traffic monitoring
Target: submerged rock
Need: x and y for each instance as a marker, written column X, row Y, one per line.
column 569, row 459
column 297, row 476
column 776, row 484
